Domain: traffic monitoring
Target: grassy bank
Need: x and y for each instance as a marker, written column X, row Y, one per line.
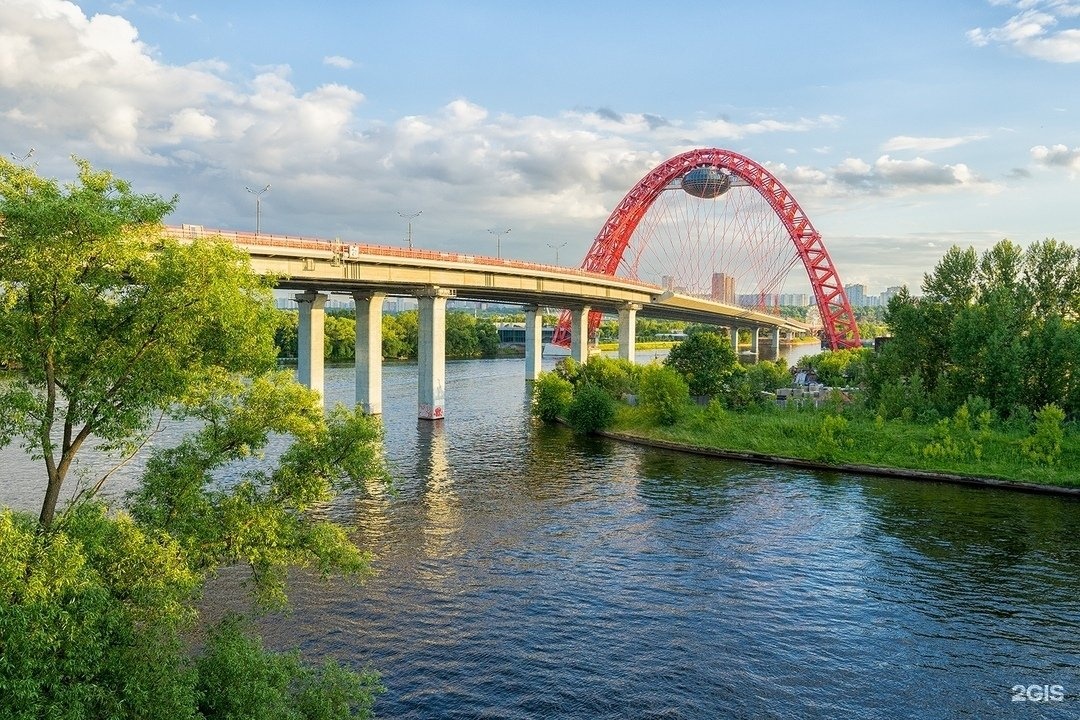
column 820, row 435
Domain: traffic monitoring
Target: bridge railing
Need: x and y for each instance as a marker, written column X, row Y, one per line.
column 345, row 249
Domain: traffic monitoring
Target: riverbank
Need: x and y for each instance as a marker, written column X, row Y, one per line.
column 898, row 449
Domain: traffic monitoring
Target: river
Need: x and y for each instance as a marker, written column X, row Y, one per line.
column 525, row 573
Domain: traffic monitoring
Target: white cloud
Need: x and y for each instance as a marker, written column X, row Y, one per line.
column 927, row 144
column 1035, row 31
column 338, row 61
column 886, row 176
column 1056, row 156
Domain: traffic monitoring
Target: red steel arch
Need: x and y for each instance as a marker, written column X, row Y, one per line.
column 841, row 329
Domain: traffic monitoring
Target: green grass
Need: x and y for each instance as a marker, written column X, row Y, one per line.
column 859, row 440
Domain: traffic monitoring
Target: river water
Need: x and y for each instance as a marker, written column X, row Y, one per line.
column 526, row 573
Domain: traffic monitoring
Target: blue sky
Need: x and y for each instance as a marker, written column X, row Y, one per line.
column 901, row 127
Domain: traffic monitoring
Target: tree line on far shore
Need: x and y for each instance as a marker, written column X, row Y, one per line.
column 466, row 335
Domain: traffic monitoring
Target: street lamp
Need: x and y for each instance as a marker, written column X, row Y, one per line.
column 410, row 217
column 556, row 248
column 258, row 210
column 24, row 158
column 498, row 240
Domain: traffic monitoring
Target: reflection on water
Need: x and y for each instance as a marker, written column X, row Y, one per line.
column 523, row 573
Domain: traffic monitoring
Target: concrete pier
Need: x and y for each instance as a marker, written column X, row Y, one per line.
column 628, row 331
column 579, row 334
column 431, row 353
column 310, row 331
column 534, row 341
column 369, row 361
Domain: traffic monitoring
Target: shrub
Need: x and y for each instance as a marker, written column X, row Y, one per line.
column 705, row 360
column 551, row 396
column 1044, row 445
column 663, row 393
column 238, row 678
column 616, row 376
column 591, row 409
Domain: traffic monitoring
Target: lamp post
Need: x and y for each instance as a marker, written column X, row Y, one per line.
column 556, row 249
column 24, row 158
column 410, row 217
column 258, row 209
column 498, row 240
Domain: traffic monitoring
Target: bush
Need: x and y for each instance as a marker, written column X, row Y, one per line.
column 237, row 678
column 551, row 396
column 591, row 409
column 91, row 626
column 663, row 394
column 705, row 360
column 1044, row 445
column 616, row 376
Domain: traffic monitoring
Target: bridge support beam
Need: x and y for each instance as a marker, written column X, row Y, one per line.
column 754, row 339
column 534, row 341
column 734, row 332
column 369, row 307
column 579, row 334
column 431, row 353
column 628, row 331
column 774, row 342
column 309, row 351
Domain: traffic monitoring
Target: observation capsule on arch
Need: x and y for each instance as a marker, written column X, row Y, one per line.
column 706, row 182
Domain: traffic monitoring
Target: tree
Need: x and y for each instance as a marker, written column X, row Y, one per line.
column 111, row 321
column 663, row 393
column 108, row 318
column 592, row 409
column 705, row 360
column 551, row 395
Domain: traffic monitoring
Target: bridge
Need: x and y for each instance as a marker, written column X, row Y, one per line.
column 701, row 221
column 370, row 273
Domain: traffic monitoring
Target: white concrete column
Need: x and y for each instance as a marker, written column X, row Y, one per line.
column 369, row 306
column 774, row 339
column 579, row 334
column 431, row 353
column 754, row 339
column 534, row 341
column 734, row 331
column 310, row 333
column 628, row 331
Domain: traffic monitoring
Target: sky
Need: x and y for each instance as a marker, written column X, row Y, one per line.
column 901, row 127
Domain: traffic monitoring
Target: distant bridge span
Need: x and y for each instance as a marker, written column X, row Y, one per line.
column 370, row 272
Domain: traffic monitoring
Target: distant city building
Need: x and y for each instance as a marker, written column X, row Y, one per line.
column 795, row 299
column 890, row 293
column 723, row 288
column 856, row 294
column 755, row 300
column 668, row 282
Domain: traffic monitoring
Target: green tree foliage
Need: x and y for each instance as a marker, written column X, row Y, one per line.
column 663, row 393
column 748, row 385
column 836, row 368
column 264, row 520
column 237, row 678
column 108, row 319
column 1044, row 445
column 551, row 396
column 89, row 619
column 706, row 360
column 111, row 321
column 401, row 334
column 339, row 337
column 1003, row 327
column 592, row 409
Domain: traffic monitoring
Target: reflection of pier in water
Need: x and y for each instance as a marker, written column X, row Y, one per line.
column 442, row 507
